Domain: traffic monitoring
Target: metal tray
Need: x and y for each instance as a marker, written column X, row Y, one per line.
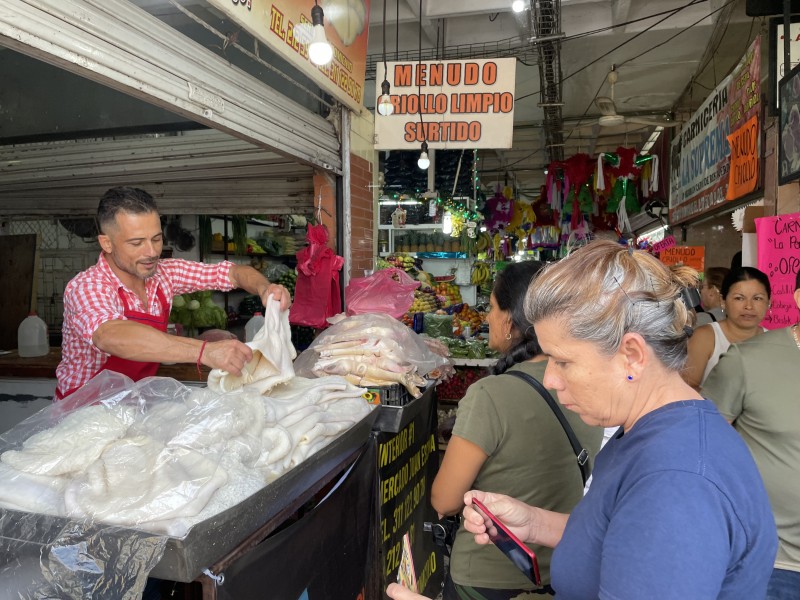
column 392, row 419
column 210, row 541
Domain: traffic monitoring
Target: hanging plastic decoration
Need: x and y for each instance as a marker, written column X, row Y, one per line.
column 499, row 210
column 472, row 227
column 459, row 223
column 580, row 200
column 624, row 168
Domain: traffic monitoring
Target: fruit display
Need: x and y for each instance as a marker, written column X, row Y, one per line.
column 423, row 302
column 288, row 280
column 467, row 317
column 481, row 273
column 449, row 293
column 402, row 261
column 456, row 387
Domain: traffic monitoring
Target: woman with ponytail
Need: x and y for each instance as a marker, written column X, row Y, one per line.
column 507, row 439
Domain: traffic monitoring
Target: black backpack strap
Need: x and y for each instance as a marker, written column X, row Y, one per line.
column 580, row 452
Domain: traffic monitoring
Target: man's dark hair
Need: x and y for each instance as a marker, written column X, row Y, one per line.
column 124, row 199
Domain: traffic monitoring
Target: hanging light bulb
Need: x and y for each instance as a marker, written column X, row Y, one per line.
column 320, row 51
column 518, row 6
column 424, row 162
column 385, row 106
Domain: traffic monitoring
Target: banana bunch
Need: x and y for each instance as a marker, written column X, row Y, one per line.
column 481, row 273
column 483, row 241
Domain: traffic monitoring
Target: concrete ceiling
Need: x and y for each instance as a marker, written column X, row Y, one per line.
column 668, row 55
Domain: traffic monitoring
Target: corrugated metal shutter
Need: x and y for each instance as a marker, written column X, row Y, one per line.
column 196, row 172
column 117, row 44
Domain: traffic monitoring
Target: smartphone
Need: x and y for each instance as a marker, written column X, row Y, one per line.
column 510, row 545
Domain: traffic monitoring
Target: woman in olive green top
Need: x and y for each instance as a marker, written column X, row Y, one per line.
column 506, row 439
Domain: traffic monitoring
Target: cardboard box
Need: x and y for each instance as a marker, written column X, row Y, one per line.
column 751, row 213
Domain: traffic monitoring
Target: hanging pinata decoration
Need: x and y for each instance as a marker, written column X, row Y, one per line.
column 580, row 200
column 624, row 168
column 499, row 210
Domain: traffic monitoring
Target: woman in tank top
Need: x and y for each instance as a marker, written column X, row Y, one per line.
column 745, row 298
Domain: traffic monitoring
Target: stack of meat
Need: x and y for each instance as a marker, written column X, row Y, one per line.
column 373, row 350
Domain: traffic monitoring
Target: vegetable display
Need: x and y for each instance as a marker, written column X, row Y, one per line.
column 196, row 310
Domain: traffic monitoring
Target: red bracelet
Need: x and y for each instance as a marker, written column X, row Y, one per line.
column 203, row 347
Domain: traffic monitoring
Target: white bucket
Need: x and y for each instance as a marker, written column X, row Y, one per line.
column 32, row 337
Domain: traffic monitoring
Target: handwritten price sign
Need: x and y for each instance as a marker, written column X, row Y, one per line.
column 779, row 257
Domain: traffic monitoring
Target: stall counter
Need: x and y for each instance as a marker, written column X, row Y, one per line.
column 13, row 365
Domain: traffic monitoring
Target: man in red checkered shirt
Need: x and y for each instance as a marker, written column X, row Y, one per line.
column 116, row 312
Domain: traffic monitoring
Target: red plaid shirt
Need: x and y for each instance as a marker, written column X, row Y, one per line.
column 91, row 298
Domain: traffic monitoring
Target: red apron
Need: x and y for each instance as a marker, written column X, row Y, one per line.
column 134, row 369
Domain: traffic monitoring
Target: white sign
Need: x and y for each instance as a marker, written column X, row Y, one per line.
column 448, row 104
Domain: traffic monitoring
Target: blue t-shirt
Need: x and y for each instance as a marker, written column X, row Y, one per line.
column 676, row 509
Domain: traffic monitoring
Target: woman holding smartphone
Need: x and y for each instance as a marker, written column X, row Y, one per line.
column 677, row 508
column 506, row 438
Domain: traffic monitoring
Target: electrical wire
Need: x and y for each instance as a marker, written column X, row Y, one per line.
column 419, row 79
column 385, row 69
column 599, row 58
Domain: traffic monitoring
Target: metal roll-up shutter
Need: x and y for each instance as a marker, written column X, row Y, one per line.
column 119, row 45
column 194, row 172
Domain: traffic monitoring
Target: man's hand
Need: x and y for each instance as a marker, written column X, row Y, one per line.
column 278, row 292
column 227, row 355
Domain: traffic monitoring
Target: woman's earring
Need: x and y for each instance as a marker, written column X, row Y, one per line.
column 630, row 377
column 508, row 335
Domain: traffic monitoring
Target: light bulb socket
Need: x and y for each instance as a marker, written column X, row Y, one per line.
column 385, row 88
column 317, row 15
column 425, row 147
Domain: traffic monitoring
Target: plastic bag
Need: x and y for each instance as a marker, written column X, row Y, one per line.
column 317, row 293
column 410, row 348
column 438, row 325
column 390, row 291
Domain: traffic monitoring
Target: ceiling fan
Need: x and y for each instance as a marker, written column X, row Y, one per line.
column 609, row 117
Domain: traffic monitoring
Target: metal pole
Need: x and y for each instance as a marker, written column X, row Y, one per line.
column 787, row 59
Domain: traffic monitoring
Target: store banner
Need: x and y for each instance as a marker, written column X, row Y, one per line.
column 691, row 256
column 448, row 104
column 743, row 175
column 326, row 553
column 700, row 155
column 779, row 257
column 346, row 25
column 407, row 465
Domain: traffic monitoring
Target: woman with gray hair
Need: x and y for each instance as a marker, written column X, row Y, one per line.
column 677, row 508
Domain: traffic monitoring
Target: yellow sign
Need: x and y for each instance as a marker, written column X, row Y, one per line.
column 743, row 176
column 346, row 25
column 691, row 256
column 448, row 104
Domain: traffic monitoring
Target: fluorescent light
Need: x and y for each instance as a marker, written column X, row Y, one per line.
column 651, row 140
